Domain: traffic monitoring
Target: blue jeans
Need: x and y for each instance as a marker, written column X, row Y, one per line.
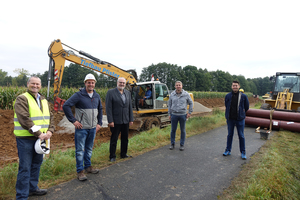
column 240, row 124
column 84, row 142
column 174, row 122
column 29, row 168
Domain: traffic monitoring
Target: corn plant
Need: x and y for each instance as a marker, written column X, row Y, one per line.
column 9, row 94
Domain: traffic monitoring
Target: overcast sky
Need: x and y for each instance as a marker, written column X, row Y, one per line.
column 249, row 38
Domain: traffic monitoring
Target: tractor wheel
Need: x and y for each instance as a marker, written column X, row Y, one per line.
column 145, row 123
column 151, row 123
column 266, row 106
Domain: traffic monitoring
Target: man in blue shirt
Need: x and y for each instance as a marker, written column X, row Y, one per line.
column 148, row 95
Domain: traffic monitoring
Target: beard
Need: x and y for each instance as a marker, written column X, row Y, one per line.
column 90, row 89
column 120, row 87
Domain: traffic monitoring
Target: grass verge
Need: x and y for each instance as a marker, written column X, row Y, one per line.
column 60, row 166
column 272, row 173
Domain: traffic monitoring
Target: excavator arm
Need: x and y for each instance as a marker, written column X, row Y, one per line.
column 58, row 55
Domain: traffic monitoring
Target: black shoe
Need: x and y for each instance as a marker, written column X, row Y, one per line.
column 126, row 156
column 38, row 192
column 172, row 146
column 181, row 148
column 113, row 160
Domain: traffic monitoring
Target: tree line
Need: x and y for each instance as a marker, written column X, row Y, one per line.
column 192, row 78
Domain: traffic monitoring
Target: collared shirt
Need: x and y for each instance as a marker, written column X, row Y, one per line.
column 123, row 97
column 38, row 100
column 178, row 94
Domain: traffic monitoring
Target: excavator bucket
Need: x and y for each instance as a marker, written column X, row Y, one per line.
column 137, row 125
column 58, row 103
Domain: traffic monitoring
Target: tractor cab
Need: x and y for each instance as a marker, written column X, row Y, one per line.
column 290, row 81
column 286, row 93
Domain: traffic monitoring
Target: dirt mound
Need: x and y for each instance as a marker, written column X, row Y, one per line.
column 8, row 146
column 219, row 102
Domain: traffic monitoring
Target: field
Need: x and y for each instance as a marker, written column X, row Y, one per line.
column 8, row 147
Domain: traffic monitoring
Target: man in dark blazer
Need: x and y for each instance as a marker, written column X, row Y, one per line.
column 119, row 116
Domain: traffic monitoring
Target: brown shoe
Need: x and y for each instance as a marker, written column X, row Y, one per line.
column 81, row 176
column 91, row 170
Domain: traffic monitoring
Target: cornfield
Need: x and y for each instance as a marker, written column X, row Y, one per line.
column 9, row 94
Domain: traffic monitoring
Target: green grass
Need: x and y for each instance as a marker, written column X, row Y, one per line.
column 60, row 166
column 257, row 105
column 273, row 172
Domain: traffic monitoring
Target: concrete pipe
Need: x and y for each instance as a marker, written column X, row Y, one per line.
column 262, row 122
column 279, row 115
column 276, row 124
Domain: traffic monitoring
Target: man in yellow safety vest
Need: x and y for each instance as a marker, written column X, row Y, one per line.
column 33, row 121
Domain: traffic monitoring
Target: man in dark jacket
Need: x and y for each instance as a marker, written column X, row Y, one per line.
column 119, row 117
column 236, row 104
column 87, row 122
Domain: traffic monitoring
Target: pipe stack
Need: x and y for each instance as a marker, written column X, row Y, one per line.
column 280, row 120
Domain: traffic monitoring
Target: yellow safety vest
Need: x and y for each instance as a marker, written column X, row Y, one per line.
column 38, row 117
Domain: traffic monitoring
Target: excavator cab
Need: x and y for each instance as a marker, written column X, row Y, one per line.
column 158, row 99
column 154, row 111
column 286, row 93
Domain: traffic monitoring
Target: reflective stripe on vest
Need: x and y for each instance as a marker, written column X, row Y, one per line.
column 38, row 117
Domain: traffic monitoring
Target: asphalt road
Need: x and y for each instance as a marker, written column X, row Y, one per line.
column 199, row 172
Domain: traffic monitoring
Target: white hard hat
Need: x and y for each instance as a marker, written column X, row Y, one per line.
column 42, row 146
column 89, row 77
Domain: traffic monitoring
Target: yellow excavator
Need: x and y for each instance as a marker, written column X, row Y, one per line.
column 155, row 110
column 286, row 93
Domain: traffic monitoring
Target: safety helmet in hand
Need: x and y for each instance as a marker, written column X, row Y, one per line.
column 42, row 146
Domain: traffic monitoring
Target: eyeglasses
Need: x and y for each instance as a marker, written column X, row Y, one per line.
column 122, row 82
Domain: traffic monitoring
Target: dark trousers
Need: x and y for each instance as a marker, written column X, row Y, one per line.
column 29, row 168
column 240, row 125
column 115, row 131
